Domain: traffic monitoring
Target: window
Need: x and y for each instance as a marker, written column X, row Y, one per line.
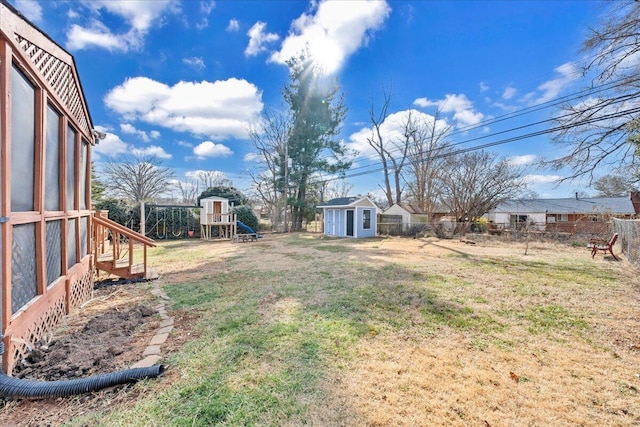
column 71, row 169
column 563, row 217
column 52, row 165
column 366, row 219
column 23, row 137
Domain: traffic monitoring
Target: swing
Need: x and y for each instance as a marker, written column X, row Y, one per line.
column 173, row 224
column 164, row 225
column 190, row 223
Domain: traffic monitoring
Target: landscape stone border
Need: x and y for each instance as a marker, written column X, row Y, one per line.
column 152, row 354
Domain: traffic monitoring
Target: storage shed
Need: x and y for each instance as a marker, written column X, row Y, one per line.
column 45, row 168
column 350, row 217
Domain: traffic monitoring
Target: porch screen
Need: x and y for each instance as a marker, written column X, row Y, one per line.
column 71, row 242
column 23, row 266
column 82, row 175
column 52, row 164
column 54, row 250
column 71, row 169
column 84, row 227
column 22, row 142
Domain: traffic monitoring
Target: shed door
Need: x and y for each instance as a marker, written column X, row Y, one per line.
column 350, row 223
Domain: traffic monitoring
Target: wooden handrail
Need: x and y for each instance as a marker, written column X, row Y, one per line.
column 118, row 231
column 127, row 232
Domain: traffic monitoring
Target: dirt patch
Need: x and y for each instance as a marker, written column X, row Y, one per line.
column 92, row 349
column 108, row 334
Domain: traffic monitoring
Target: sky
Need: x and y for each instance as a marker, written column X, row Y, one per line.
column 184, row 81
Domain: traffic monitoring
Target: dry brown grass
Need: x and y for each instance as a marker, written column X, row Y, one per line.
column 451, row 334
column 587, row 374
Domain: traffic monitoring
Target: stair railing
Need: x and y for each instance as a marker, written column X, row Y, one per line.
column 121, row 243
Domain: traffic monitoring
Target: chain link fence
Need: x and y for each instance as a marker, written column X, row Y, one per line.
column 629, row 237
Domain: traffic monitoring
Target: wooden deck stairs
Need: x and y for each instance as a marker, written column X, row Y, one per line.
column 118, row 248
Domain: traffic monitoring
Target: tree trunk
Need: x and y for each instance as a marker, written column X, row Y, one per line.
column 142, row 219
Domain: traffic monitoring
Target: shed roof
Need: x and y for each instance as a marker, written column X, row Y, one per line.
column 570, row 205
column 345, row 202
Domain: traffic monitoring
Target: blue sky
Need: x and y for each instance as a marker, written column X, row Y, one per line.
column 184, row 80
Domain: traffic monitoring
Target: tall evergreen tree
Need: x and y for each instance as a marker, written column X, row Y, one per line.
column 317, row 113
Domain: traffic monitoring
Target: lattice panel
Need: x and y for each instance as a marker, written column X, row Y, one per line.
column 40, row 327
column 81, row 289
column 60, row 76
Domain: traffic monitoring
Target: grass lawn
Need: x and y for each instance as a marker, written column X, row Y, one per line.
column 303, row 330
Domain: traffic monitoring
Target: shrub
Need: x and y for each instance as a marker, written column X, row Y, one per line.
column 245, row 215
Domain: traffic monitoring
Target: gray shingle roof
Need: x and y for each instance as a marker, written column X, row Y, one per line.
column 341, row 201
column 613, row 205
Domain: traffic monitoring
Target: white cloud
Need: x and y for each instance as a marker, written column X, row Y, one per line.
column 234, row 25
column 139, row 16
column 509, row 92
column 110, row 146
column 334, row 32
column 568, row 73
column 210, row 149
column 392, row 131
column 31, row 9
column 144, row 136
column 542, row 179
column 219, row 110
column 526, row 159
column 196, row 174
column 252, row 157
column 205, row 10
column 151, row 151
column 258, row 39
column 196, row 62
column 459, row 105
column 97, row 35
column 484, row 87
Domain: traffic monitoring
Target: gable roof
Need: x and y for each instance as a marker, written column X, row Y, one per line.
column 414, row 210
column 570, row 205
column 51, row 64
column 343, row 202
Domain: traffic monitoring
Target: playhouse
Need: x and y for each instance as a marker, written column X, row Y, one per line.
column 216, row 219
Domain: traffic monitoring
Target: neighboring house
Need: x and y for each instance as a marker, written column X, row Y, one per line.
column 406, row 213
column 350, row 217
column 46, row 265
column 573, row 214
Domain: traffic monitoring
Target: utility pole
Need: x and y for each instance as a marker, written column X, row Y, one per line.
column 286, row 184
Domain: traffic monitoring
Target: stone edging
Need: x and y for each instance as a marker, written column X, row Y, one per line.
column 152, row 353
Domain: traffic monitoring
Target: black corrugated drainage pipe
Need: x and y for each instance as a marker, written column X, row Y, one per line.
column 13, row 387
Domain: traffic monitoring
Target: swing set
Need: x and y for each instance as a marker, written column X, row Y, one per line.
column 172, row 221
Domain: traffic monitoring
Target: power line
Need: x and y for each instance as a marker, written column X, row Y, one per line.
column 503, row 141
column 567, row 98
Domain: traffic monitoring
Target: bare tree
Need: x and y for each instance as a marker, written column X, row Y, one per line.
column 475, row 182
column 426, row 151
column 391, row 150
column 139, row 179
column 210, row 179
column 269, row 138
column 615, row 185
column 189, row 190
column 334, row 189
column 598, row 128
